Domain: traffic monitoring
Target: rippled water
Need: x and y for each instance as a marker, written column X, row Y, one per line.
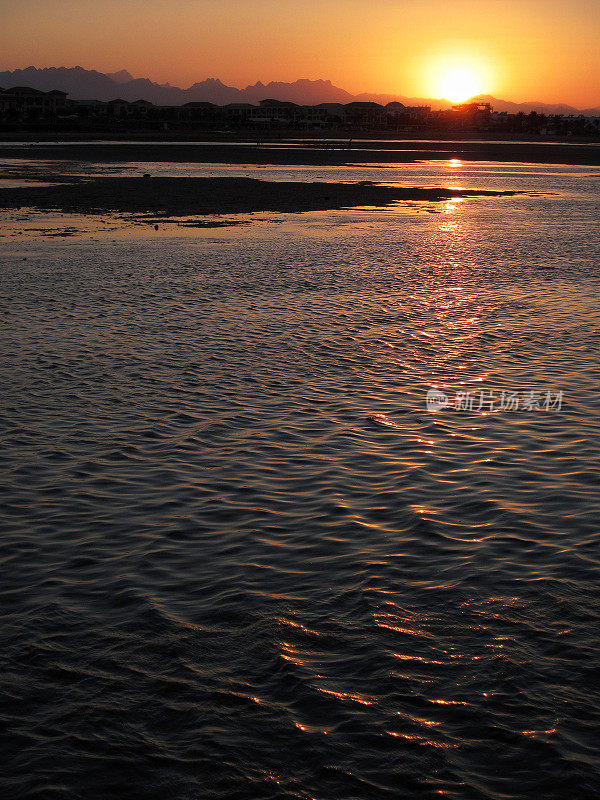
column 240, row 558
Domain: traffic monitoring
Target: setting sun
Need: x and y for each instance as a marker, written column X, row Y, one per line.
column 459, row 73
column 459, row 85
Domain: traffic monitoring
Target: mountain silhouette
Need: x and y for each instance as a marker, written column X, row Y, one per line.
column 122, row 76
column 84, row 84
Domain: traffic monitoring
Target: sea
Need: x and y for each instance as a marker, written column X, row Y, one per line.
column 304, row 507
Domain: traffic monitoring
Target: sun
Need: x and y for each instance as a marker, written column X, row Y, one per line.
column 459, row 85
column 458, row 72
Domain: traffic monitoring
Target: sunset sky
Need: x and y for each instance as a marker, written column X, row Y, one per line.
column 515, row 49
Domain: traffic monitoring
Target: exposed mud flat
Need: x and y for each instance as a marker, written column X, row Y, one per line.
column 183, row 196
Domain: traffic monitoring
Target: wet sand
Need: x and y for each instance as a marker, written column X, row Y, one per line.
column 181, row 196
column 313, row 152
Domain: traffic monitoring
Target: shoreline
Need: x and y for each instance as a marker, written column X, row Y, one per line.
column 309, row 152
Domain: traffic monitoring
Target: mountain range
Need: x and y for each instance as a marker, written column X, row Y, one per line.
column 84, row 84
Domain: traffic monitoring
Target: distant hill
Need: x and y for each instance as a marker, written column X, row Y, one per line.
column 122, row 76
column 85, row 84
column 82, row 84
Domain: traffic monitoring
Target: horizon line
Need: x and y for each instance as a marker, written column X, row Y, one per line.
column 168, row 85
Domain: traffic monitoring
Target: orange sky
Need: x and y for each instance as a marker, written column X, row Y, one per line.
column 518, row 49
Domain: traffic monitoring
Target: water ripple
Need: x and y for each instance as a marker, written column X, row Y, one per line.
column 241, row 559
